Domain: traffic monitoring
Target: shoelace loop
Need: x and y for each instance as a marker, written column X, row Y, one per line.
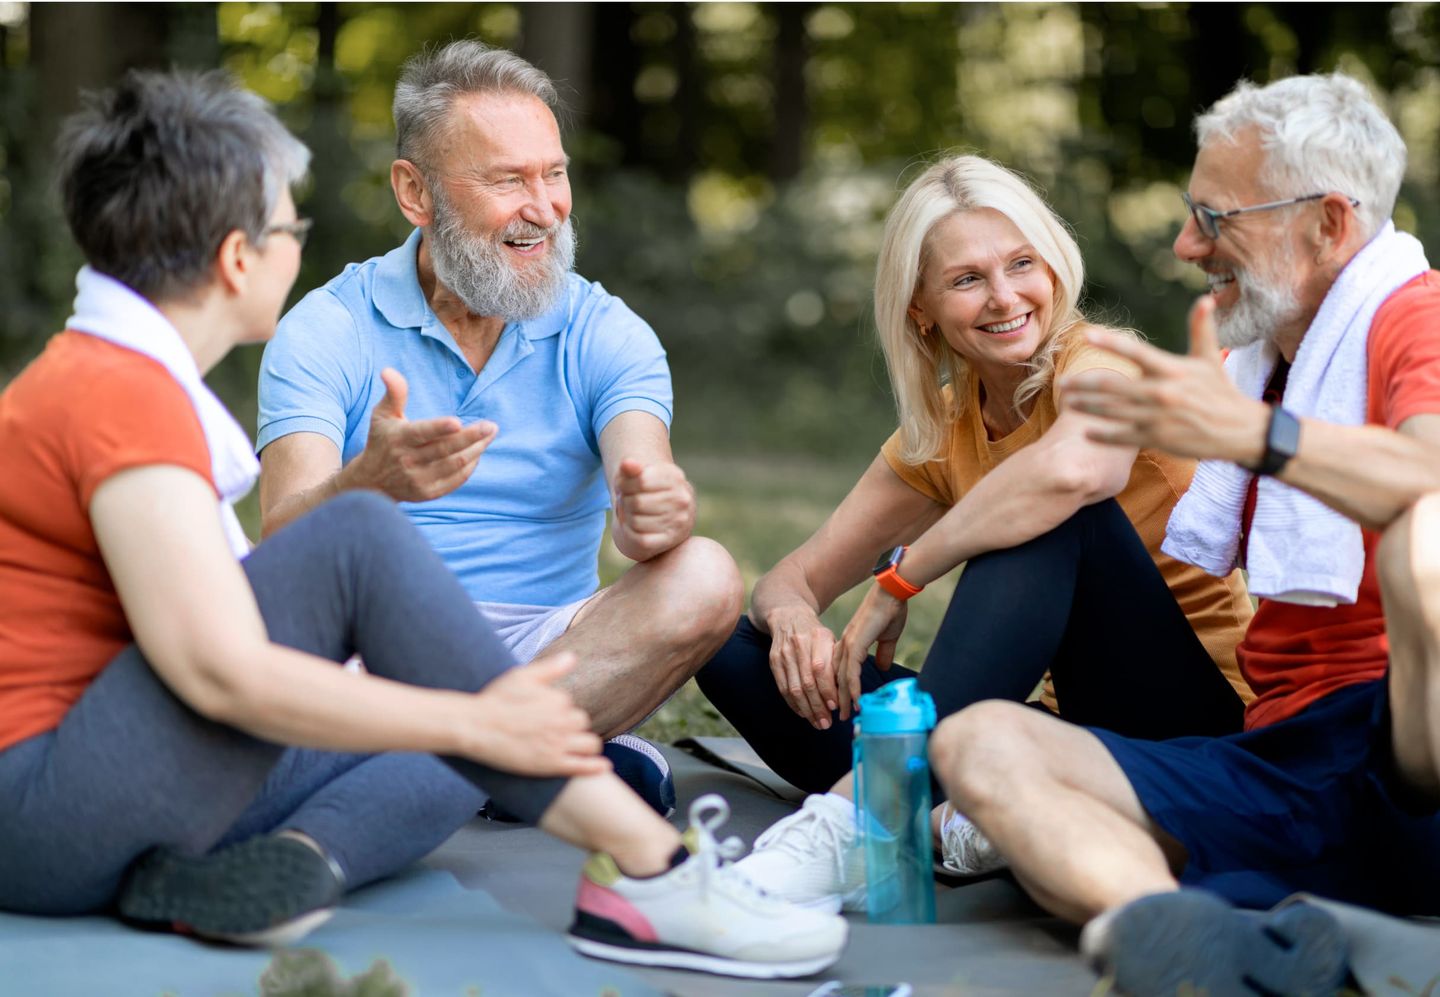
column 707, row 813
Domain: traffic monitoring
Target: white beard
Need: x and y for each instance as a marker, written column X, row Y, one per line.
column 479, row 272
column 1266, row 302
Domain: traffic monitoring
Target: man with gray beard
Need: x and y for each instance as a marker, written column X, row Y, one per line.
column 1320, row 475
column 506, row 403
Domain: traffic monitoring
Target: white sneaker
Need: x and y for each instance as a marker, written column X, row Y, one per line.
column 812, row 858
column 963, row 848
column 702, row 914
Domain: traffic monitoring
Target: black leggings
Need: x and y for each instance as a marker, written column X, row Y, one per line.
column 1084, row 601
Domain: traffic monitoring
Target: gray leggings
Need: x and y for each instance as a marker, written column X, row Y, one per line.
column 131, row 767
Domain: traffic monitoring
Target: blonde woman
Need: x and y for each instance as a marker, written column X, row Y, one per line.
column 977, row 305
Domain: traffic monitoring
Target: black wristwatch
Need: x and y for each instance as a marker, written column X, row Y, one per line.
column 1282, row 439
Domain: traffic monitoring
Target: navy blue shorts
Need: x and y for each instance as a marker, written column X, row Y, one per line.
column 1311, row 803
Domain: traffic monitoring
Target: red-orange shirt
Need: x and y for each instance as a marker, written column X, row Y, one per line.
column 84, row 410
column 1294, row 655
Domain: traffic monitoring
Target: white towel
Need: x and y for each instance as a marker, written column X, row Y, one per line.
column 109, row 310
column 1300, row 549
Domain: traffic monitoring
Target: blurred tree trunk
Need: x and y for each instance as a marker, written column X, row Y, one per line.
column 1219, row 50
column 73, row 48
column 685, row 154
column 333, row 162
column 556, row 37
column 792, row 108
column 614, row 64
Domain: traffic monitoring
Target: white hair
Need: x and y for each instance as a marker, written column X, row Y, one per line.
column 1320, row 134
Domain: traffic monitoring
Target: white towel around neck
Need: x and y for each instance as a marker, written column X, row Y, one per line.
column 107, row 309
column 1300, row 550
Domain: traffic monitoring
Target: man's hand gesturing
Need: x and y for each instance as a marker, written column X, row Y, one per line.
column 654, row 508
column 416, row 461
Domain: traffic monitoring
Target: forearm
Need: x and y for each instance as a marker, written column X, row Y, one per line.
column 292, row 698
column 1369, row 473
column 1025, row 497
column 286, row 509
column 785, row 589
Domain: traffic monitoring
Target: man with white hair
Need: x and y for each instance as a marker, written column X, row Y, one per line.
column 1330, row 418
column 474, row 337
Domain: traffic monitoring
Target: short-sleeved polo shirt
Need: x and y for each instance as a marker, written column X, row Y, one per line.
column 526, row 527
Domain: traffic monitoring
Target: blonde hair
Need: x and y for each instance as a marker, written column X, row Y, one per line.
column 920, row 366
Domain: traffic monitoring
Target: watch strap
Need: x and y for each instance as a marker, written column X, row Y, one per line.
column 887, row 574
column 1282, row 439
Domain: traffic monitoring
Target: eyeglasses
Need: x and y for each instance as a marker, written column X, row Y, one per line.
column 299, row 229
column 1208, row 219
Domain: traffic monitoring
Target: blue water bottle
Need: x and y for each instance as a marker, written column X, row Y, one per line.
column 892, row 802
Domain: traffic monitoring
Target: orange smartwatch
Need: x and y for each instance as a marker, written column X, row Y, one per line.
column 888, row 577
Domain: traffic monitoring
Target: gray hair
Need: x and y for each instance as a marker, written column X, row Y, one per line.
column 156, row 172
column 1320, row 134
column 431, row 80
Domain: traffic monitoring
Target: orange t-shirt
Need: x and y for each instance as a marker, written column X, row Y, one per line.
column 1293, row 655
column 82, row 411
column 1217, row 608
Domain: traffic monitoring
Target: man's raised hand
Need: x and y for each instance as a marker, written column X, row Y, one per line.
column 420, row 460
column 654, row 508
column 1185, row 405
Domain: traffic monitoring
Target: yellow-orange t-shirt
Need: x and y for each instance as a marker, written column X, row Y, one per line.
column 84, row 410
column 1218, row 608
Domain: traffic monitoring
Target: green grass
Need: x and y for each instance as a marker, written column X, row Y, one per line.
column 761, row 508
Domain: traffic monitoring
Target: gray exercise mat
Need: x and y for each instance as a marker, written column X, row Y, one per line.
column 1388, row 955
column 438, row 937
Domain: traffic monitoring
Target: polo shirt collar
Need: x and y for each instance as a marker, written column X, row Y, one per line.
column 397, row 295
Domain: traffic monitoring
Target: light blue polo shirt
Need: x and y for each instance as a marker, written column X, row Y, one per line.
column 526, row 527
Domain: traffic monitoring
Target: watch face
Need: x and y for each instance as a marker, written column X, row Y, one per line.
column 888, row 559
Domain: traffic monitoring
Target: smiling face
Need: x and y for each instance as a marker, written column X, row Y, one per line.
column 501, row 236
column 986, row 290
column 1253, row 267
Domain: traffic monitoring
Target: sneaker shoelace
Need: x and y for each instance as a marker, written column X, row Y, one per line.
column 965, row 849
column 797, row 836
column 707, row 813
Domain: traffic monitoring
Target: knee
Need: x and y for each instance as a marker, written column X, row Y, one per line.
column 738, row 662
column 704, row 591
column 978, row 752
column 360, row 514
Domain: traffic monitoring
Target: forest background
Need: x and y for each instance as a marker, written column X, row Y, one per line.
column 732, row 164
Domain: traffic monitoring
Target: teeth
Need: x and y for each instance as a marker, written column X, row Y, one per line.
column 526, row 243
column 1219, row 279
column 1010, row 326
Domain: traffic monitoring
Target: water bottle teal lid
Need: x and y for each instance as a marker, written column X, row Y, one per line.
column 897, row 708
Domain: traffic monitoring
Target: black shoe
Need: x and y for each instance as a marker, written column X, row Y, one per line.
column 269, row 890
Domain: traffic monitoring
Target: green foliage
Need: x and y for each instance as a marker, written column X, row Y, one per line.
column 311, row 973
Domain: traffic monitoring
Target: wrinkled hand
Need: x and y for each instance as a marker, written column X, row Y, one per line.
column 421, row 460
column 802, row 661
column 877, row 623
column 527, row 725
column 1185, row 405
column 654, row 508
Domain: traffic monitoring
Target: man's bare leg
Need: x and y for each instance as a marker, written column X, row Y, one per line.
column 1408, row 564
column 640, row 639
column 1055, row 803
